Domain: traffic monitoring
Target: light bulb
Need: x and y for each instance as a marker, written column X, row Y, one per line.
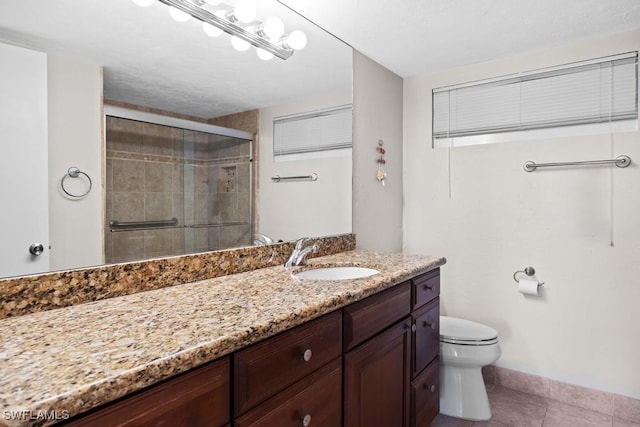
column 178, row 15
column 297, row 40
column 273, row 28
column 239, row 44
column 245, row 11
column 144, row 3
column 264, row 55
column 211, row 30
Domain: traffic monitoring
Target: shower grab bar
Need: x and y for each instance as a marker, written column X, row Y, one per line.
column 621, row 161
column 142, row 225
column 116, row 226
column 220, row 224
column 278, row 178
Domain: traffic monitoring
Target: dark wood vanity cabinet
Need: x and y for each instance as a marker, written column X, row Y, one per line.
column 200, row 397
column 391, row 343
column 372, row 363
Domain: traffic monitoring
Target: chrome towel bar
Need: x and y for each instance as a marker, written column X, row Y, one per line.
column 278, row 178
column 621, row 161
column 141, row 225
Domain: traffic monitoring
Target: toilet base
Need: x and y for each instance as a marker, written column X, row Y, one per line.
column 463, row 394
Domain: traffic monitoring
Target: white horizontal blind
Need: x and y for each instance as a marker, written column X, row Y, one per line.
column 604, row 90
column 323, row 130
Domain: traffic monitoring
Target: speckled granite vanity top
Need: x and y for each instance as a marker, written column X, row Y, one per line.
column 72, row 359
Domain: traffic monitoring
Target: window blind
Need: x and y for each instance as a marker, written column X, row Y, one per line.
column 321, row 130
column 603, row 90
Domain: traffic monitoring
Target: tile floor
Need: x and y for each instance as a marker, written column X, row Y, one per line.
column 515, row 408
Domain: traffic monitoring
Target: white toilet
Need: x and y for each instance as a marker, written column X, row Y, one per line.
column 465, row 347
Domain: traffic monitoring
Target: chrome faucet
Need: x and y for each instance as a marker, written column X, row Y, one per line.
column 299, row 253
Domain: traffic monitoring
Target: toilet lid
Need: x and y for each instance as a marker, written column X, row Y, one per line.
column 453, row 329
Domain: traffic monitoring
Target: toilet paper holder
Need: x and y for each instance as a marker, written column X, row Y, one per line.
column 529, row 271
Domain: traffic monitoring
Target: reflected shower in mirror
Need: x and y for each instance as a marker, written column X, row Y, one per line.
column 174, row 191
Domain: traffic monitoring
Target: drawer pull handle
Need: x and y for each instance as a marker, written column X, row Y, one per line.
column 431, row 325
column 306, row 420
column 427, row 288
column 307, row 357
column 431, row 388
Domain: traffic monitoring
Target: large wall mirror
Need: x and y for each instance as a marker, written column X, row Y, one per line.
column 81, row 58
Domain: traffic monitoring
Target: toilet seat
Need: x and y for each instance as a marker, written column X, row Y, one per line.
column 465, row 332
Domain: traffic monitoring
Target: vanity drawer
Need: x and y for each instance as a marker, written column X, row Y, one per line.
column 316, row 400
column 267, row 368
column 425, row 287
column 425, row 396
column 366, row 318
column 426, row 336
column 200, row 397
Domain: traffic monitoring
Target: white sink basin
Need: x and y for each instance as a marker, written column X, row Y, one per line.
column 336, row 273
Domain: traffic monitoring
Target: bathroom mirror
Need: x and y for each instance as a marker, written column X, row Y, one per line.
column 151, row 61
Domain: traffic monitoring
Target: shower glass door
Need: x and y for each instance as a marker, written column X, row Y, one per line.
column 174, row 187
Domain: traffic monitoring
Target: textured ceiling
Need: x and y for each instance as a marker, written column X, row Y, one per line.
column 412, row 37
column 151, row 60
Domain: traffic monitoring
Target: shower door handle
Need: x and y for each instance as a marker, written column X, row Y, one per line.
column 36, row 249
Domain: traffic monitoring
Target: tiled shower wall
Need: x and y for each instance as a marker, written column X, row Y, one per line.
column 157, row 172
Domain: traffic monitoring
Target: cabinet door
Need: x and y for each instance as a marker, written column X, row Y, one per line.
column 314, row 401
column 425, row 396
column 198, row 398
column 377, row 379
column 426, row 336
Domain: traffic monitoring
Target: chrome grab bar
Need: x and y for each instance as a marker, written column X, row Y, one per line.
column 278, row 178
column 115, row 226
column 621, row 161
column 142, row 225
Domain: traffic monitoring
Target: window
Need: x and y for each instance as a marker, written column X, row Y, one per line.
column 597, row 96
column 313, row 132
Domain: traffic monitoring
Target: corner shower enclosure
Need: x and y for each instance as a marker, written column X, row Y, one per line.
column 174, row 186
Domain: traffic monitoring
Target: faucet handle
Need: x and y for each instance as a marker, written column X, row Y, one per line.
column 300, row 242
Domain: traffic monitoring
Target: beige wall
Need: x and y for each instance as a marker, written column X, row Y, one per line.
column 294, row 209
column 75, row 139
column 584, row 328
column 377, row 106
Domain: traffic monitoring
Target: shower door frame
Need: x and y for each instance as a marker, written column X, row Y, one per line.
column 158, row 119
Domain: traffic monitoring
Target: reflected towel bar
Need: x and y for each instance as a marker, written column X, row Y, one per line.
column 620, row 161
column 142, row 225
column 278, row 178
column 116, row 226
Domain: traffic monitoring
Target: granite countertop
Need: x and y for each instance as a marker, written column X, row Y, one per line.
column 66, row 361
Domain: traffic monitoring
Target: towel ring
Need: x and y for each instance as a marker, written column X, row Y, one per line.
column 74, row 172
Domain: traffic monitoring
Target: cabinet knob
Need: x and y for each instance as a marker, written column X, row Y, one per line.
column 307, row 356
column 413, row 328
column 431, row 388
column 431, row 325
column 306, row 420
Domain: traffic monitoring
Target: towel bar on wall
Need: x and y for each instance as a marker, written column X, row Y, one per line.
column 621, row 161
column 278, row 178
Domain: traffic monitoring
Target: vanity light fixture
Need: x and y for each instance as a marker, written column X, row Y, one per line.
column 268, row 36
